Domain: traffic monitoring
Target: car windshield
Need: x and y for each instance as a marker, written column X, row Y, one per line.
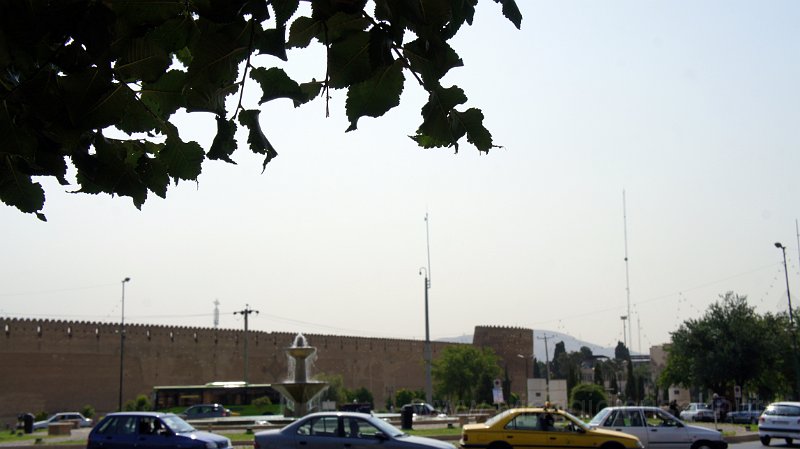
column 600, row 417
column 386, row 428
column 490, row 422
column 176, row 424
column 782, row 410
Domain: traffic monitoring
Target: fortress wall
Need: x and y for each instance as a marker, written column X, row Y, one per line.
column 509, row 343
column 54, row 365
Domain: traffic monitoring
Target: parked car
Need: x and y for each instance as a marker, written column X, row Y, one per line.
column 656, row 428
column 64, row 417
column 125, row 430
column 780, row 420
column 746, row 414
column 342, row 429
column 201, row 411
column 422, row 409
column 538, row 427
column 697, row 411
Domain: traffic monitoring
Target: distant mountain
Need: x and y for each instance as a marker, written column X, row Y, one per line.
column 571, row 344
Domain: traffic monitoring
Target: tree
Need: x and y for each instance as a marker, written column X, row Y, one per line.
column 631, row 389
column 362, row 396
column 588, row 399
column 71, row 71
column 404, row 396
column 621, row 352
column 335, row 391
column 598, row 373
column 464, row 373
column 730, row 345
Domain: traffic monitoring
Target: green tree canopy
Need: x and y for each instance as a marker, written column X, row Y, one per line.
column 463, row 373
column 730, row 345
column 588, row 399
column 71, row 71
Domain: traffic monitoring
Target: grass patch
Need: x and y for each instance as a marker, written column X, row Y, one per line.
column 11, row 436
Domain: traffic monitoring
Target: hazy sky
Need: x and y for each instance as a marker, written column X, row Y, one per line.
column 691, row 107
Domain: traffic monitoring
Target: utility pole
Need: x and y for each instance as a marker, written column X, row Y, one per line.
column 246, row 313
column 546, row 365
column 427, row 356
column 122, row 342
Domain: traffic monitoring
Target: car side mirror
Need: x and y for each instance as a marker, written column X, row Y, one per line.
column 381, row 436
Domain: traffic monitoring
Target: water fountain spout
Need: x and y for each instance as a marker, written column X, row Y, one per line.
column 298, row 388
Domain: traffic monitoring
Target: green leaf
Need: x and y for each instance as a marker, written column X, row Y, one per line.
column 146, row 12
column 152, row 172
column 183, row 160
column 311, row 89
column 224, row 142
column 375, row 96
column 432, row 60
column 93, row 100
column 511, row 12
column 209, row 98
column 112, row 169
column 470, row 122
column 143, row 59
column 256, row 138
column 138, row 119
column 275, row 83
column 272, row 42
column 17, row 189
column 341, row 25
column 304, row 29
column 436, row 130
column 348, row 60
column 165, row 96
column 437, row 13
column 217, row 53
column 284, row 10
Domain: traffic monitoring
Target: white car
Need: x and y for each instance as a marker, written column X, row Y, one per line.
column 657, row 429
column 780, row 420
column 697, row 411
column 64, row 417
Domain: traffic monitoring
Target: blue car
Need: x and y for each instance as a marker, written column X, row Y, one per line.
column 126, row 430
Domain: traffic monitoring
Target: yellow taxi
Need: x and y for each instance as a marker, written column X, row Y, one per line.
column 541, row 428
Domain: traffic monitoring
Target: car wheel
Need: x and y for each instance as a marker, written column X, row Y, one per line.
column 499, row 445
column 701, row 445
column 788, row 440
column 765, row 441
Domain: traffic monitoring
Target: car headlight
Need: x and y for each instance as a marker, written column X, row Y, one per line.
column 639, row 444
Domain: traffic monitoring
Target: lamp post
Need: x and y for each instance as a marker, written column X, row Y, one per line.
column 791, row 321
column 122, row 341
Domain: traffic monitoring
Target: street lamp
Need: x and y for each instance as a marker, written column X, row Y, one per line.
column 791, row 320
column 786, row 272
column 122, row 341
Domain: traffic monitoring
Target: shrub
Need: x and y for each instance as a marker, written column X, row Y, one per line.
column 87, row 411
column 263, row 401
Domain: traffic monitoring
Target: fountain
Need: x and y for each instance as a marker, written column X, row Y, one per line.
column 298, row 388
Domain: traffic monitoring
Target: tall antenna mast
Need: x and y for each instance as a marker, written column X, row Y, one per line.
column 427, row 356
column 216, row 313
column 627, row 278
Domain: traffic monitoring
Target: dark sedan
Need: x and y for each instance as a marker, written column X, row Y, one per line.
column 342, row 429
column 126, row 430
